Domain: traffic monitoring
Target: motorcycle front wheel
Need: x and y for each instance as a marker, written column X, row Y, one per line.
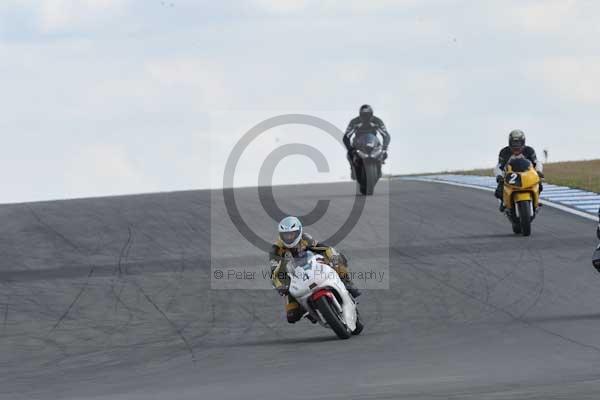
column 359, row 325
column 369, row 176
column 333, row 319
column 516, row 228
column 525, row 217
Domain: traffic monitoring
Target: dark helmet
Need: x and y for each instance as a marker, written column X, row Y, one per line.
column 365, row 113
column 516, row 141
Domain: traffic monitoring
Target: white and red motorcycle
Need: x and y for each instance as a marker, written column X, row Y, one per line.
column 319, row 289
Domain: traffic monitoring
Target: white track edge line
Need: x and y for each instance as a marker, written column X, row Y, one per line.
column 544, row 202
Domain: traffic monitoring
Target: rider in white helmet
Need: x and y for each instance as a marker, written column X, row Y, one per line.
column 293, row 240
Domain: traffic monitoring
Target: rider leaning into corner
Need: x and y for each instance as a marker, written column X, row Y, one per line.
column 366, row 122
column 516, row 148
column 295, row 242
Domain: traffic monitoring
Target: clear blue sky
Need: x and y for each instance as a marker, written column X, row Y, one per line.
column 103, row 97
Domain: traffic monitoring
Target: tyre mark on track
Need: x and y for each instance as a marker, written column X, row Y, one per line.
column 5, row 315
column 501, row 279
column 124, row 254
column 118, row 270
column 62, row 349
column 493, row 306
column 541, row 285
column 130, row 315
column 208, row 329
column 79, row 249
column 255, row 317
column 178, row 331
column 50, row 228
column 75, row 300
column 180, row 280
column 513, row 270
column 539, row 288
column 180, row 271
column 250, row 325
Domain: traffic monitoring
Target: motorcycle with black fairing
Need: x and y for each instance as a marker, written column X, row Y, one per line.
column 367, row 159
column 596, row 256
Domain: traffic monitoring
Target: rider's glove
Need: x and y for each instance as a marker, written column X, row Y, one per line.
column 282, row 290
column 541, row 174
column 499, row 179
column 384, row 155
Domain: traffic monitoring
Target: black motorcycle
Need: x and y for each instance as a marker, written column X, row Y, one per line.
column 596, row 256
column 367, row 160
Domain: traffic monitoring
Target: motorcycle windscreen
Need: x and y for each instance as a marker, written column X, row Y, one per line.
column 366, row 141
column 596, row 259
column 519, row 164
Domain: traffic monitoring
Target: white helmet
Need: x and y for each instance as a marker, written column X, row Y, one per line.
column 290, row 231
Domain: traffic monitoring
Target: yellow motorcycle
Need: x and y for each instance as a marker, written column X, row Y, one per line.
column 521, row 194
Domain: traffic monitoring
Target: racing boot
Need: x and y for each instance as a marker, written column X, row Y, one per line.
column 499, row 193
column 293, row 310
column 311, row 318
column 352, row 172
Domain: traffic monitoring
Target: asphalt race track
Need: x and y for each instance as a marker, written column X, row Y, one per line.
column 110, row 298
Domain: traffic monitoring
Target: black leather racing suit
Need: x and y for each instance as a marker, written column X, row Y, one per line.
column 596, row 256
column 357, row 127
column 598, row 228
column 503, row 159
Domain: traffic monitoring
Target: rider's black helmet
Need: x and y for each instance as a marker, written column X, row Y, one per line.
column 516, row 141
column 365, row 113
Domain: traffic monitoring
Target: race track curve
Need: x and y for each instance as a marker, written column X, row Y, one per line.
column 110, row 298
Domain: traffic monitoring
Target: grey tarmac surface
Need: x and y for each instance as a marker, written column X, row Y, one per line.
column 110, row 298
